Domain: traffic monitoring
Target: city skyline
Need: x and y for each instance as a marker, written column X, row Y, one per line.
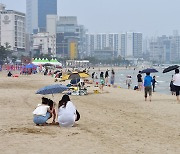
column 151, row 17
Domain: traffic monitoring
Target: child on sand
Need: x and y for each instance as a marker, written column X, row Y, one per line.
column 102, row 81
column 128, row 81
column 153, row 83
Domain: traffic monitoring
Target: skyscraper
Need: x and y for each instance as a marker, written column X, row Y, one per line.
column 36, row 11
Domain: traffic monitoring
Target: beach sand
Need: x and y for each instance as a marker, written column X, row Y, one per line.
column 115, row 121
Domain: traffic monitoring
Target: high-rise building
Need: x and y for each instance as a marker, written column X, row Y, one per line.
column 70, row 38
column 129, row 44
column 51, row 22
column 102, row 41
column 165, row 49
column 137, row 45
column 36, row 11
column 125, row 44
column 12, row 29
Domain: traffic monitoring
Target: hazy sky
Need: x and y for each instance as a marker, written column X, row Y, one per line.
column 151, row 17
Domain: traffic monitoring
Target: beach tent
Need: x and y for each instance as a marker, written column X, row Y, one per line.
column 55, row 62
column 37, row 61
column 30, row 65
column 44, row 61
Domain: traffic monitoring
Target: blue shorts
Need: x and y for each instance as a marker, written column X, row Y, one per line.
column 41, row 119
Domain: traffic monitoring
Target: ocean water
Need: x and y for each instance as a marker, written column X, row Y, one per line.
column 162, row 85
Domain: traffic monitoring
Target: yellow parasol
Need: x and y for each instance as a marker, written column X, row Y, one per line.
column 74, row 75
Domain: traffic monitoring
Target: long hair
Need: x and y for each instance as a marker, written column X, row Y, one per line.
column 64, row 101
column 102, row 75
column 45, row 100
column 51, row 104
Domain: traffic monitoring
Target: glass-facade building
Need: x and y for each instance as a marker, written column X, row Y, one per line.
column 45, row 7
column 36, row 12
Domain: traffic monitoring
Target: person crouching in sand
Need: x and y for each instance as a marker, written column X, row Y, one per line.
column 67, row 113
column 148, row 86
column 42, row 112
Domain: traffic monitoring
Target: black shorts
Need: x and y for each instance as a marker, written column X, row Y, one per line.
column 177, row 89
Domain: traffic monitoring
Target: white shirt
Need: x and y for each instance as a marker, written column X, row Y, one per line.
column 67, row 115
column 176, row 79
column 41, row 110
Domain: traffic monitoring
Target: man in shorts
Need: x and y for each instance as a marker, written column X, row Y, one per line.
column 148, row 86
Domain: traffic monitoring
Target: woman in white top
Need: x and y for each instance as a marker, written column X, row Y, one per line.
column 67, row 113
column 176, row 83
column 42, row 112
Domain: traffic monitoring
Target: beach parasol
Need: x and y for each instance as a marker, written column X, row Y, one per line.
column 30, row 65
column 75, row 81
column 170, row 68
column 75, row 75
column 83, row 75
column 52, row 89
column 149, row 70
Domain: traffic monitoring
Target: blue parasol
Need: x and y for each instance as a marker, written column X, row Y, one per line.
column 30, row 66
column 52, row 89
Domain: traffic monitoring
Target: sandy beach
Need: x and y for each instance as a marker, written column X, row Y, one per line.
column 113, row 122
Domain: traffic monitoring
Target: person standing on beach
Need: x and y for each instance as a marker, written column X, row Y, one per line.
column 147, row 86
column 112, row 77
column 93, row 76
column 154, row 82
column 172, row 87
column 176, row 82
column 139, row 78
column 128, row 81
column 102, row 82
column 106, row 77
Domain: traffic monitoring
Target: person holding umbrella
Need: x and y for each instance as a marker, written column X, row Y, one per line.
column 176, row 82
column 148, row 86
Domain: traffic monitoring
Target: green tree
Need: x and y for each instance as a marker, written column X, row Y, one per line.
column 14, row 58
column 4, row 53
